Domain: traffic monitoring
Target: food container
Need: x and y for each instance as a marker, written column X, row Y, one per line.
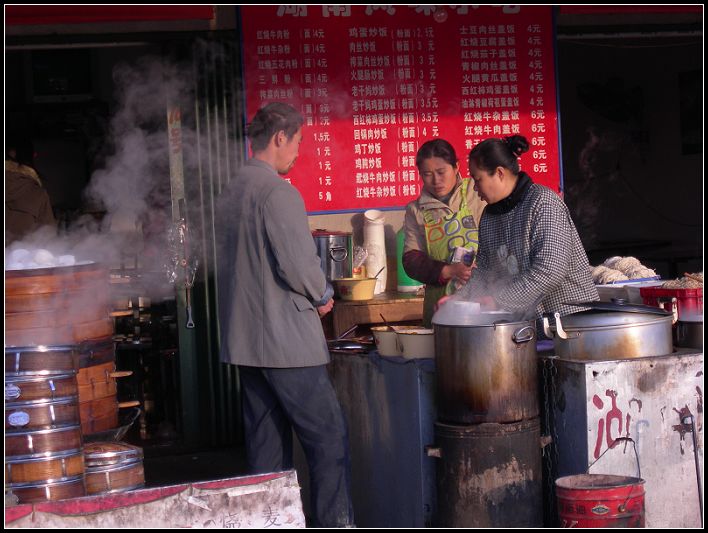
column 385, row 339
column 486, row 365
column 610, row 331
column 57, row 306
column 688, row 301
column 354, row 288
column 689, row 333
column 415, row 342
column 629, row 290
column 334, row 249
column 113, row 467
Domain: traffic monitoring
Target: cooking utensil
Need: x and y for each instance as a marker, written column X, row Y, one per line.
column 610, row 331
column 389, row 326
column 415, row 342
column 379, row 272
column 355, row 288
column 689, row 334
column 346, row 345
column 40, row 360
column 347, row 332
column 486, row 370
column 386, row 341
column 126, row 419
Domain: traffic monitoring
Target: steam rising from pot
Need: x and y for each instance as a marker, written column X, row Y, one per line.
column 132, row 187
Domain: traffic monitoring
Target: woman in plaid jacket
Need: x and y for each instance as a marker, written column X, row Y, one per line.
column 530, row 255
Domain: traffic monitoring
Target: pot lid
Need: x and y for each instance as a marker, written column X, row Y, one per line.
column 623, row 306
column 328, row 233
column 608, row 314
column 465, row 313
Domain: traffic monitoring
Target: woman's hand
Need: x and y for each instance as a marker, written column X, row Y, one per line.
column 458, row 271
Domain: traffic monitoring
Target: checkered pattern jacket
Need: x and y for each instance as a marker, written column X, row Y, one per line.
column 532, row 257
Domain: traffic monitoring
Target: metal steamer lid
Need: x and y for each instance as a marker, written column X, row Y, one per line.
column 615, row 313
column 111, row 453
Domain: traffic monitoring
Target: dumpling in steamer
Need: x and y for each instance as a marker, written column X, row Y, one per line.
column 43, row 257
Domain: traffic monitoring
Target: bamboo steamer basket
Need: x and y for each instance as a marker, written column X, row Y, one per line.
column 57, row 306
column 113, row 467
column 75, row 333
column 99, row 381
column 96, row 352
column 101, row 414
column 42, row 441
column 42, row 414
column 27, row 388
column 38, row 361
column 53, row 467
column 49, row 491
column 52, row 280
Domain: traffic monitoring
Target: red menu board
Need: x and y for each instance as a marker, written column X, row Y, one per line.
column 376, row 82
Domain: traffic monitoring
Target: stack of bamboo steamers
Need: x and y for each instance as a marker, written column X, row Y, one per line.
column 60, row 387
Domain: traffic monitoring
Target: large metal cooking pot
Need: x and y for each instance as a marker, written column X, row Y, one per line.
column 335, row 251
column 611, row 331
column 689, row 333
column 485, row 368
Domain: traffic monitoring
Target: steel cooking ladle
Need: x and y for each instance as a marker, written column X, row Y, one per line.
column 389, row 326
column 379, row 272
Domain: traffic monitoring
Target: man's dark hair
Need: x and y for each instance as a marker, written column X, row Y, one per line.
column 23, row 147
column 271, row 119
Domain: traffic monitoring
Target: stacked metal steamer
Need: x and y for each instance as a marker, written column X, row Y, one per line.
column 487, row 437
column 59, row 377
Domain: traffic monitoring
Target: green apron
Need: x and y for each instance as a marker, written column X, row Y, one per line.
column 442, row 237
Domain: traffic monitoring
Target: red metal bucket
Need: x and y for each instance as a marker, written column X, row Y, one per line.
column 599, row 500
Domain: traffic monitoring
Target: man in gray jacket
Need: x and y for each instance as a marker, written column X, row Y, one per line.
column 272, row 293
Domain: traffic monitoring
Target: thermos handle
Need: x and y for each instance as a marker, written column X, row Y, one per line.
column 338, row 254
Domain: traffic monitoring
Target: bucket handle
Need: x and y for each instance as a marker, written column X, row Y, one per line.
column 338, row 254
column 623, row 506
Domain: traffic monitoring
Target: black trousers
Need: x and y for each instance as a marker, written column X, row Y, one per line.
column 277, row 401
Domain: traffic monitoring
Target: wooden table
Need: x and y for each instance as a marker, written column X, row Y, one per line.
column 395, row 306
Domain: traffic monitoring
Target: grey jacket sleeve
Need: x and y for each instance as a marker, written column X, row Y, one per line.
column 292, row 245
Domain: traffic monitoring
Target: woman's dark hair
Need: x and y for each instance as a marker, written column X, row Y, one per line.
column 493, row 153
column 436, row 148
column 271, row 119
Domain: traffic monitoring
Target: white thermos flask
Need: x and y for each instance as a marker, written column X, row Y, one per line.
column 375, row 245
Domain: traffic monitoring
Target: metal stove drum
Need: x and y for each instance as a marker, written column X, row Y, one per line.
column 488, row 432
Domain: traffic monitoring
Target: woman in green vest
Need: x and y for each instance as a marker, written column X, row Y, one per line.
column 443, row 218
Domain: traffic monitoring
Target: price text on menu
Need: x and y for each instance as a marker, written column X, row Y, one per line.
column 376, row 82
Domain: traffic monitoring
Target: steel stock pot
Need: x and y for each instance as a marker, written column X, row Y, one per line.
column 610, row 331
column 485, row 366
